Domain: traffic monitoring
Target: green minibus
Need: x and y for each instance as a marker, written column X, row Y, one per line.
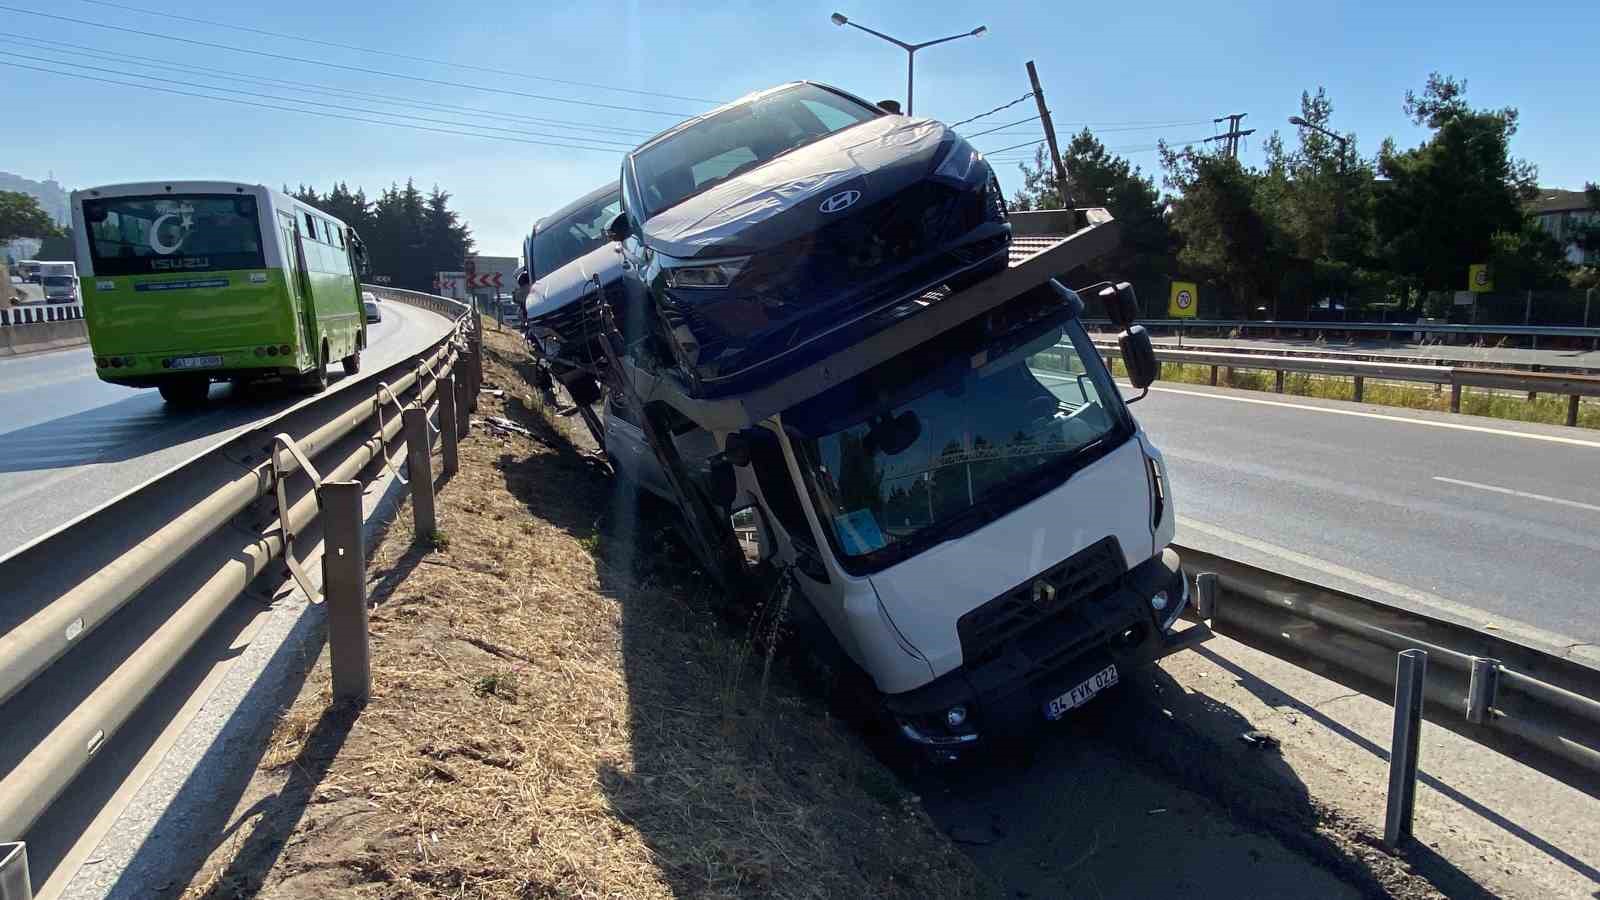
column 185, row 283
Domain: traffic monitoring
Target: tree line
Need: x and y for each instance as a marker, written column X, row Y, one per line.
column 409, row 235
column 1317, row 226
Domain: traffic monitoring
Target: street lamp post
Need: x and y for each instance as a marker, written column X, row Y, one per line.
column 1344, row 182
column 911, row 49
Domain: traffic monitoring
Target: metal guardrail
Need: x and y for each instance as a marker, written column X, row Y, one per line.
column 1243, row 325
column 40, row 313
column 1530, row 704
column 224, row 516
column 1457, row 377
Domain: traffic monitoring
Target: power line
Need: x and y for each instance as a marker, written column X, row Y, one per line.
column 378, row 112
column 308, row 112
column 991, row 112
column 998, row 127
column 1015, row 146
column 27, row 40
column 1089, row 125
column 389, row 53
column 334, row 65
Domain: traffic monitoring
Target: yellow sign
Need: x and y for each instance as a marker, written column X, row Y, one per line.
column 1479, row 281
column 1185, row 300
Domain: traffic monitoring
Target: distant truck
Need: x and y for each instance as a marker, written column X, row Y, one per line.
column 60, row 281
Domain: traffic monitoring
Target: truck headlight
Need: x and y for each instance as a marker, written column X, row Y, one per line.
column 700, row 274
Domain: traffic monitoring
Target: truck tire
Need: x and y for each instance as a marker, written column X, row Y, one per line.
column 352, row 363
column 186, row 392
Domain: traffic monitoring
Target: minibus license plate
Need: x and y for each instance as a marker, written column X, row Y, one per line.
column 1081, row 694
column 197, row 362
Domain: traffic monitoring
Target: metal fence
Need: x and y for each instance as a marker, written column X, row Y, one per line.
column 223, row 517
column 1456, row 377
column 39, row 313
column 1530, row 704
column 1402, row 331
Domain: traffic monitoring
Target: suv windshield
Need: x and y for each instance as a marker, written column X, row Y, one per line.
column 572, row 236
column 919, row 463
column 684, row 164
column 173, row 233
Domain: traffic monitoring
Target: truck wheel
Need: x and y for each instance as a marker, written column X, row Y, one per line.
column 185, row 391
column 352, row 363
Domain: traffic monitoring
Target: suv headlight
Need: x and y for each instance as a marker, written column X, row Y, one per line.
column 960, row 164
column 701, row 273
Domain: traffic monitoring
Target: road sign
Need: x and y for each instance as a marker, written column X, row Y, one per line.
column 1479, row 279
column 1184, row 303
column 484, row 281
column 383, row 279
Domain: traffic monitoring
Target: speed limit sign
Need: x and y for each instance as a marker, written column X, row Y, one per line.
column 1184, row 302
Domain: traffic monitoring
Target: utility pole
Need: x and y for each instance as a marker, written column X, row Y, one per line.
column 1232, row 135
column 1050, row 137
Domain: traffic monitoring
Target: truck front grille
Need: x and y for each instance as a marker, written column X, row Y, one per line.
column 1085, row 577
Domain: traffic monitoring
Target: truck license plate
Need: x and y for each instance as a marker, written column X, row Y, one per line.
column 197, row 362
column 1081, row 694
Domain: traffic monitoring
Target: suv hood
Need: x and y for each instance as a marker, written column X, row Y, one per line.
column 566, row 285
column 780, row 200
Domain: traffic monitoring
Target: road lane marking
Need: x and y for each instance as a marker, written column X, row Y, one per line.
column 1563, row 645
column 1482, row 429
column 1515, row 493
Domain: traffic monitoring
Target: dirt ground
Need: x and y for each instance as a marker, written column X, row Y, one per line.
column 558, row 710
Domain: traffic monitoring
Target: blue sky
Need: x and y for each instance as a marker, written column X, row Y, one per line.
column 1121, row 66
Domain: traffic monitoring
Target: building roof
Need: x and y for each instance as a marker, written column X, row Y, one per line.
column 1555, row 200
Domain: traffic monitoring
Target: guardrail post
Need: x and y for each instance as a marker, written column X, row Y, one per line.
column 15, row 884
column 463, row 421
column 1411, row 670
column 1361, row 384
column 1205, row 596
column 449, row 428
column 344, row 583
column 1455, row 398
column 1213, row 376
column 1572, row 410
column 1481, row 688
column 1277, row 380
column 419, row 473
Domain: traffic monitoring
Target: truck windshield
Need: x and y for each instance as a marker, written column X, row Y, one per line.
column 687, row 162
column 59, row 281
column 919, row 463
column 572, row 236
column 173, row 233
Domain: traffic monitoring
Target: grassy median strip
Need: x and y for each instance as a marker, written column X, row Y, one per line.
column 1549, row 409
column 558, row 711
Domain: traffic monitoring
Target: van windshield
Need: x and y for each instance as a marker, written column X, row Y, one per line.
column 914, row 464
column 687, row 162
column 173, row 233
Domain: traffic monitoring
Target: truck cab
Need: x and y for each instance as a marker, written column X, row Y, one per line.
column 978, row 527
column 60, row 281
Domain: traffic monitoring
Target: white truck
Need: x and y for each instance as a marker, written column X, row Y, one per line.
column 852, row 373
column 60, row 281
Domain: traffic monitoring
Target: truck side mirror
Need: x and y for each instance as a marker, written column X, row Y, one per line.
column 890, row 106
column 618, row 230
column 1139, row 356
column 1122, row 305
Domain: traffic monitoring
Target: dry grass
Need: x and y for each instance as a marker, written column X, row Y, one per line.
column 557, row 711
column 1548, row 409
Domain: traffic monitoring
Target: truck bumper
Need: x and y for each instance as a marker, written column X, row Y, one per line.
column 1006, row 697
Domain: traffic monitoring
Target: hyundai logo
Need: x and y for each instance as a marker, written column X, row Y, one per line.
column 839, row 201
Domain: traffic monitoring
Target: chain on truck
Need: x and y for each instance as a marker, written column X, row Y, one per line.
column 949, row 481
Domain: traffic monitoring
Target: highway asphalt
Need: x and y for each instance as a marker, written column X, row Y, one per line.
column 70, row 442
column 1494, row 522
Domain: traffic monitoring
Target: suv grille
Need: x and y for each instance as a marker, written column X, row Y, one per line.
column 1084, row 577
